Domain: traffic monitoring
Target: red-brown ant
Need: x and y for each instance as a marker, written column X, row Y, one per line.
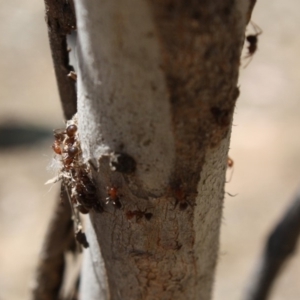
column 113, row 197
column 230, row 162
column 73, row 75
column 180, row 197
column 56, row 147
column 230, row 165
column 252, row 39
column 70, row 150
column 138, row 214
column 59, row 136
column 71, row 130
column 86, row 193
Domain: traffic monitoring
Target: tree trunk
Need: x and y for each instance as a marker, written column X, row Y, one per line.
column 157, row 86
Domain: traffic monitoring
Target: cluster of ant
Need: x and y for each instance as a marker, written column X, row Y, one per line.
column 74, row 174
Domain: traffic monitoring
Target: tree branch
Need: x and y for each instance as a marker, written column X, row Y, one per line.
column 58, row 240
column 157, row 80
column 281, row 244
column 60, row 18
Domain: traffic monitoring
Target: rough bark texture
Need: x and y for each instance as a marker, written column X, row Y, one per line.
column 157, row 80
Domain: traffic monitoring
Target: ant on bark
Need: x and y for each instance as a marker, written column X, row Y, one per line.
column 180, row 195
column 230, row 165
column 75, row 175
column 138, row 214
column 252, row 39
column 113, row 197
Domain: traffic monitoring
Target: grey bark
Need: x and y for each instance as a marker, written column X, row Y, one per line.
column 157, row 80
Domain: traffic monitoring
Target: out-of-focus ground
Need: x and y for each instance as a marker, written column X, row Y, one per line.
column 265, row 147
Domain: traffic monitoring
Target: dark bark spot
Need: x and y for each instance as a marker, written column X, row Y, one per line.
column 123, row 163
column 148, row 216
column 183, row 205
column 222, row 116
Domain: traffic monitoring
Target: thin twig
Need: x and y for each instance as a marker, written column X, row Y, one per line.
column 281, row 244
column 59, row 239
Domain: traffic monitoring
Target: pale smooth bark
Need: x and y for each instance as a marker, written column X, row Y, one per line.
column 157, row 80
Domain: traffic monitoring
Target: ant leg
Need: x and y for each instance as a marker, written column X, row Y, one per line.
column 250, row 56
column 230, row 177
column 257, row 29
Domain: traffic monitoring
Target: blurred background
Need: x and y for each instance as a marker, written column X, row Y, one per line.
column 265, row 147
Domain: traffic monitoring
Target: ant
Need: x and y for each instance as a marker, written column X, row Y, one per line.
column 230, row 165
column 252, row 39
column 180, row 196
column 113, row 197
column 81, row 237
column 138, row 214
column 230, row 162
column 79, row 234
column 58, row 139
column 63, row 144
column 72, row 75
column 84, row 193
column 75, row 175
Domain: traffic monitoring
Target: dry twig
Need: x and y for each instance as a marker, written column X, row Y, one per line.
column 58, row 240
column 60, row 18
column 281, row 244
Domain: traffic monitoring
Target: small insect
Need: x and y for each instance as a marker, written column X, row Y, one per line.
column 180, row 197
column 252, row 39
column 69, row 145
column 71, row 130
column 230, row 165
column 138, row 214
column 81, row 238
column 113, row 197
column 73, row 75
column 75, row 175
column 79, row 234
column 230, row 162
column 57, row 147
column 58, row 138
